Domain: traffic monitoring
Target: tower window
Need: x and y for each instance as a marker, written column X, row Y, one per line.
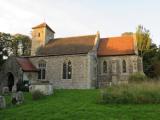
column 39, row 34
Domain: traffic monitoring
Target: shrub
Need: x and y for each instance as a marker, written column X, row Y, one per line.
column 36, row 95
column 137, row 77
column 146, row 92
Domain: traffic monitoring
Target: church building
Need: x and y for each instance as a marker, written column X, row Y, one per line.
column 78, row 62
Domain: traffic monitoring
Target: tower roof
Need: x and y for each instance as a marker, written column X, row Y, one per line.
column 43, row 25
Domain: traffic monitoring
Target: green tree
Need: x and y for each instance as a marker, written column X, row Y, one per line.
column 5, row 46
column 156, row 64
column 143, row 39
column 149, row 58
column 21, row 45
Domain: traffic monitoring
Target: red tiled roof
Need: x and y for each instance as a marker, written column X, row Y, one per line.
column 69, row 45
column 26, row 64
column 123, row 45
column 43, row 25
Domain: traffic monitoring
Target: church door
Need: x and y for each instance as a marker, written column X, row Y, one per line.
column 10, row 81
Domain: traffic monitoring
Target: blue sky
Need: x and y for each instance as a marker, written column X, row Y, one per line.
column 80, row 17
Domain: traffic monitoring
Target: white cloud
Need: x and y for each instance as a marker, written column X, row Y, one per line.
column 74, row 17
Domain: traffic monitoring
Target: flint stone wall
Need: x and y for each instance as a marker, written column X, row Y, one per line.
column 133, row 64
column 81, row 71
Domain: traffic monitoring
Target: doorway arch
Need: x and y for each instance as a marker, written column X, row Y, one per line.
column 10, row 81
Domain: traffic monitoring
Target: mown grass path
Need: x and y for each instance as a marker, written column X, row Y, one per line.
column 77, row 105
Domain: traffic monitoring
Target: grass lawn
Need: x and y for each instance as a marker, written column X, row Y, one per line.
column 77, row 105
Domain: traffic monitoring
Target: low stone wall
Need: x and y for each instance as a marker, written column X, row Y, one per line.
column 46, row 88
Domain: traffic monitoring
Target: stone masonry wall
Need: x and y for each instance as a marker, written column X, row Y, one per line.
column 10, row 66
column 37, row 41
column 133, row 64
column 54, row 71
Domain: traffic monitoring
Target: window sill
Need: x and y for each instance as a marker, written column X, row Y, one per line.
column 104, row 73
column 43, row 80
column 124, row 73
column 66, row 79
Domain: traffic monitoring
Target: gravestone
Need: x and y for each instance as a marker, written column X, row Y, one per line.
column 19, row 97
column 14, row 89
column 2, row 102
column 5, row 90
column 13, row 98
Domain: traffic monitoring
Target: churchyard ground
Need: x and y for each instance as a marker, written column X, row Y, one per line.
column 77, row 105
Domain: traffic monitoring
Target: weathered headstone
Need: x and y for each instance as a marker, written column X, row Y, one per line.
column 14, row 89
column 19, row 97
column 13, row 98
column 5, row 90
column 2, row 102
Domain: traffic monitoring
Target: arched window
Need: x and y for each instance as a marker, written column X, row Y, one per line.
column 124, row 66
column 69, row 70
column 43, row 73
column 64, row 71
column 104, row 67
column 42, row 70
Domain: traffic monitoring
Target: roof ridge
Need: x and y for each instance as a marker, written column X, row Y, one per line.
column 76, row 36
column 118, row 36
column 40, row 25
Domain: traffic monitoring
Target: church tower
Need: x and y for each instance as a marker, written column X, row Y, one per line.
column 41, row 34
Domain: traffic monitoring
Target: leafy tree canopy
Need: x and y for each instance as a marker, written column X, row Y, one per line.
column 21, row 45
column 5, row 46
column 15, row 45
column 143, row 39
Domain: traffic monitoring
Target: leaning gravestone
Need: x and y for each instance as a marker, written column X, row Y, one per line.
column 2, row 102
column 5, row 90
column 19, row 97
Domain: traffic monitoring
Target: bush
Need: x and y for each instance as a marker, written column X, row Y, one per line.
column 138, row 93
column 36, row 95
column 137, row 77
